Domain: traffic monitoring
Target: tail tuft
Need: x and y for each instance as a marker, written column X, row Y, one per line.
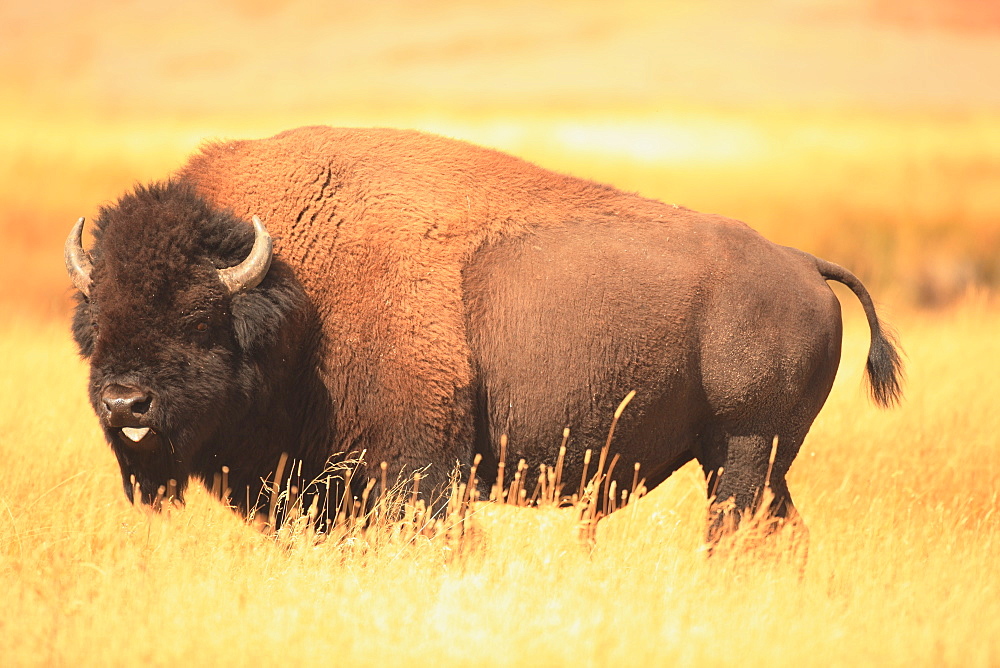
column 884, row 368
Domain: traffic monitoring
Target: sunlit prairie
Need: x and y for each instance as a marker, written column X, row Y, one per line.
column 902, row 508
column 866, row 132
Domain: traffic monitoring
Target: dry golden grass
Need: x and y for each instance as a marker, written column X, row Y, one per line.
column 902, row 508
column 866, row 132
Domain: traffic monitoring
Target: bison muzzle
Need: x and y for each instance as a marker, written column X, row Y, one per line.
column 423, row 297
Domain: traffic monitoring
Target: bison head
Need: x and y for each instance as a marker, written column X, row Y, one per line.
column 179, row 309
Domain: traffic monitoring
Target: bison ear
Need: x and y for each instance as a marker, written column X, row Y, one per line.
column 83, row 328
column 260, row 315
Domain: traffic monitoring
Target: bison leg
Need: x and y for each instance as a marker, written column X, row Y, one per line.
column 746, row 481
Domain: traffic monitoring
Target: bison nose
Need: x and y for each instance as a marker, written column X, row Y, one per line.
column 124, row 406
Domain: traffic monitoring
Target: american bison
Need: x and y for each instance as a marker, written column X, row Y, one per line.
column 424, row 297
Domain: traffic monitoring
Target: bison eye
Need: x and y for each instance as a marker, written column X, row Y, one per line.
column 201, row 332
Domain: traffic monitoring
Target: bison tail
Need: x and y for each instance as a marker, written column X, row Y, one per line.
column 884, row 368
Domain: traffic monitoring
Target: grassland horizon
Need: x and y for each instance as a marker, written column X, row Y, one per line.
column 854, row 131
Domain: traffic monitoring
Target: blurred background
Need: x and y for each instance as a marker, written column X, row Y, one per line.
column 865, row 131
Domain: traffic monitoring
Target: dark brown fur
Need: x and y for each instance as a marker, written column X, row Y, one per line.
column 456, row 294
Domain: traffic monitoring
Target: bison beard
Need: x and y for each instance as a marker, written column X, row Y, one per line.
column 425, row 298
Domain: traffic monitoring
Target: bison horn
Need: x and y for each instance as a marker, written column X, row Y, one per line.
column 77, row 260
column 251, row 271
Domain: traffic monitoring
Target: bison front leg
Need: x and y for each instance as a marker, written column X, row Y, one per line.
column 747, row 488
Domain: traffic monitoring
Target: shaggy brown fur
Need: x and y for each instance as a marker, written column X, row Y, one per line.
column 463, row 294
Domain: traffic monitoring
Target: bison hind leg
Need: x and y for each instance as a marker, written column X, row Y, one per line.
column 750, row 506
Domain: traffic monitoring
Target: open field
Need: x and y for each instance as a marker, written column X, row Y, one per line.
column 903, row 508
column 864, row 131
